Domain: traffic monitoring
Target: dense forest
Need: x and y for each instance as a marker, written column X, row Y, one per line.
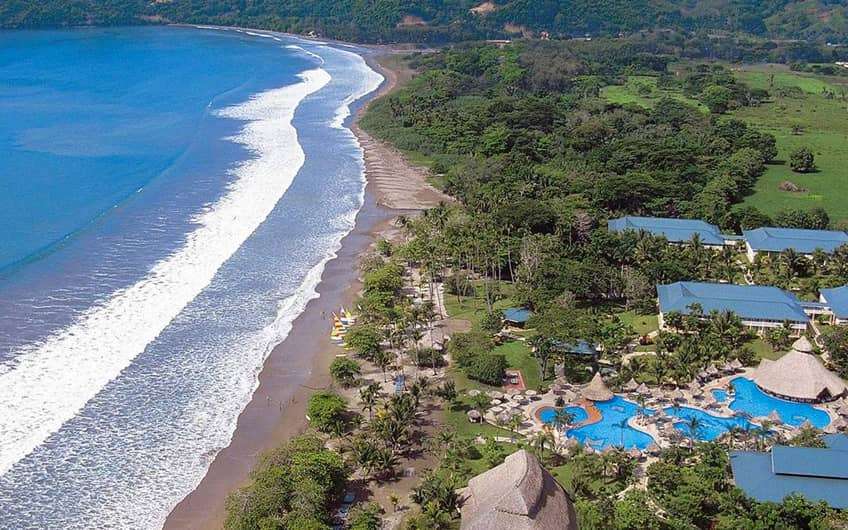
column 436, row 20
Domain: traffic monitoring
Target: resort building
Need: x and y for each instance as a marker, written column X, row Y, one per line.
column 516, row 495
column 674, row 230
column 759, row 307
column 819, row 474
column 835, row 302
column 517, row 316
column 772, row 240
column 799, row 376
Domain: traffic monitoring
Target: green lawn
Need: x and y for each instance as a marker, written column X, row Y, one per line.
column 519, row 356
column 642, row 90
column 641, row 324
column 764, row 351
column 825, row 131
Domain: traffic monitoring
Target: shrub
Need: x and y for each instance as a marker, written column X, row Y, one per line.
column 365, row 340
column 488, row 368
column 327, row 412
column 491, row 322
column 366, row 517
column 344, row 371
column 465, row 347
column 427, row 358
column 459, row 284
column 802, row 160
column 384, row 247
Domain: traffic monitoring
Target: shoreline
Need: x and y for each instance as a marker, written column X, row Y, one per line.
column 300, row 363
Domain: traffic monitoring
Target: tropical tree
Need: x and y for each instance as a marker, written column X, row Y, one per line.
column 368, row 396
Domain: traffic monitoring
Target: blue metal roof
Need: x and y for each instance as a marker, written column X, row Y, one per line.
column 674, row 230
column 581, row 347
column 517, row 314
column 809, row 462
column 837, row 300
column 772, row 239
column 759, row 476
column 751, row 302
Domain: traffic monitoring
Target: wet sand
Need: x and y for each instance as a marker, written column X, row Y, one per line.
column 300, row 364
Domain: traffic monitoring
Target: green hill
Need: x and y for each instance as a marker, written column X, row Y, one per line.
column 452, row 20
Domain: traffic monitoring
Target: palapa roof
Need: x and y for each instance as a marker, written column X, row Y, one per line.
column 516, row 495
column 736, row 364
column 643, row 389
column 799, row 374
column 597, row 390
column 630, row 386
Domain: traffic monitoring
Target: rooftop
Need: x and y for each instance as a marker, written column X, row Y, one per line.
column 674, row 230
column 799, row 375
column 817, row 474
column 837, row 300
column 516, row 495
column 751, row 302
column 772, row 239
column 517, row 314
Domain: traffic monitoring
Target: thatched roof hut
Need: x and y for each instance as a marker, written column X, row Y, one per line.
column 711, row 370
column 736, row 364
column 630, row 386
column 643, row 390
column 843, row 410
column 799, row 376
column 516, row 495
column 774, row 417
column 597, row 390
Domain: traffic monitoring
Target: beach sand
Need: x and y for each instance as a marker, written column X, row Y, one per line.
column 300, row 364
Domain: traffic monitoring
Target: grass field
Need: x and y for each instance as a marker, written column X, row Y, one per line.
column 642, row 90
column 641, row 324
column 824, row 122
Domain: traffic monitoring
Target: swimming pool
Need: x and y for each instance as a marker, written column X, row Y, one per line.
column 613, row 430
column 755, row 402
column 709, row 427
column 719, row 394
column 579, row 414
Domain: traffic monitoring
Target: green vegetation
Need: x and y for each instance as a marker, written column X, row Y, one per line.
column 804, row 113
column 344, row 371
column 644, row 90
column 327, row 412
column 432, row 20
column 293, row 486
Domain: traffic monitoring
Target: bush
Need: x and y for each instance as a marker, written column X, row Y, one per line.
column 488, row 368
column 465, row 347
column 344, row 371
column 298, row 482
column 364, row 340
column 327, row 412
column 491, row 322
column 427, row 358
column 384, row 247
column 366, row 517
column 802, row 160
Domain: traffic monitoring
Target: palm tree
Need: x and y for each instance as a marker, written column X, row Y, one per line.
column 693, row 424
column 383, row 359
column 368, row 396
column 562, row 419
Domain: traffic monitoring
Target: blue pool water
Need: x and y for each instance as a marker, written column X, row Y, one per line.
column 709, row 427
column 579, row 413
column 613, row 430
column 719, row 395
column 750, row 399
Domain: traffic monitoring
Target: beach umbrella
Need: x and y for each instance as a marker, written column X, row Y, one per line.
column 712, row 370
column 531, row 393
column 630, row 386
column 497, row 409
column 473, row 392
column 774, row 417
column 830, row 429
column 840, row 424
column 678, row 395
column 736, row 364
column 643, row 390
column 569, row 395
column 556, row 388
column 806, row 425
column 634, row 452
column 494, row 394
column 570, row 443
column 727, row 368
column 513, row 391
column 496, row 402
column 474, row 416
column 843, row 410
column 653, row 449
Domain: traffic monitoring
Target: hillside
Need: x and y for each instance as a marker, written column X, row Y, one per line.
column 439, row 20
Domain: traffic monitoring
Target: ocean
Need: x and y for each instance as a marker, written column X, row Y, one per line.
column 168, row 200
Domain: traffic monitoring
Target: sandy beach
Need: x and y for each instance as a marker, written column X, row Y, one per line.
column 299, row 365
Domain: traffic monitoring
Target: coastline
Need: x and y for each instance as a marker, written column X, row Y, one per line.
column 300, row 363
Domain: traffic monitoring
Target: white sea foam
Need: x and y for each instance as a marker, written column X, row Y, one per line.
column 373, row 80
column 307, row 52
column 53, row 380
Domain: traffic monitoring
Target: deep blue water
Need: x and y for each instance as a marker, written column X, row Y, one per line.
column 753, row 401
column 168, row 198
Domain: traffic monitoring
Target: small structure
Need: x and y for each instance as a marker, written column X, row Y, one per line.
column 679, row 231
column 760, row 307
column 799, row 376
column 630, row 386
column 474, row 416
column 836, row 301
column 771, row 240
column 643, row 390
column 581, row 349
column 517, row 316
column 817, row 474
column 516, row 495
column 597, row 390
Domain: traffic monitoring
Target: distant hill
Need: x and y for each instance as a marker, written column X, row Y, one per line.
column 452, row 20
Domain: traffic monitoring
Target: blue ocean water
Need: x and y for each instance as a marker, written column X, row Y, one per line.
column 168, row 198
